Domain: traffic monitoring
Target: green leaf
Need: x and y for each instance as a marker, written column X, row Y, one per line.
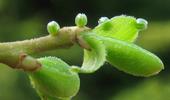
column 120, row 27
column 55, row 79
column 93, row 58
column 131, row 58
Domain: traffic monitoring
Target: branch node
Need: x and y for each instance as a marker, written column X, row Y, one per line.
column 28, row 63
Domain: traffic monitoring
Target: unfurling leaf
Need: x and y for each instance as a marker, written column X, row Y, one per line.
column 117, row 33
column 93, row 58
column 131, row 59
column 121, row 27
column 55, row 79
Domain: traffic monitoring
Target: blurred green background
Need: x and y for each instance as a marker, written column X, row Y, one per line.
column 25, row 19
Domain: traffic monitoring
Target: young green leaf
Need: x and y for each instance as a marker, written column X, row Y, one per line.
column 93, row 58
column 55, row 79
column 121, row 27
column 131, row 59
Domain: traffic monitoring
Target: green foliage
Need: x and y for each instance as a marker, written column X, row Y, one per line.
column 112, row 41
column 18, row 16
column 55, row 79
column 131, row 58
column 120, row 27
column 93, row 58
column 121, row 53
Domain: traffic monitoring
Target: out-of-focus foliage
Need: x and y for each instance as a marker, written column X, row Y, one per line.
column 153, row 89
column 25, row 19
column 157, row 37
column 14, row 85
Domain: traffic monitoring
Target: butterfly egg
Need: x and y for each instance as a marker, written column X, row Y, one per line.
column 132, row 59
column 55, row 79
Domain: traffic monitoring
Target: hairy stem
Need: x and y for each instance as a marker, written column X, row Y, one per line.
column 16, row 54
